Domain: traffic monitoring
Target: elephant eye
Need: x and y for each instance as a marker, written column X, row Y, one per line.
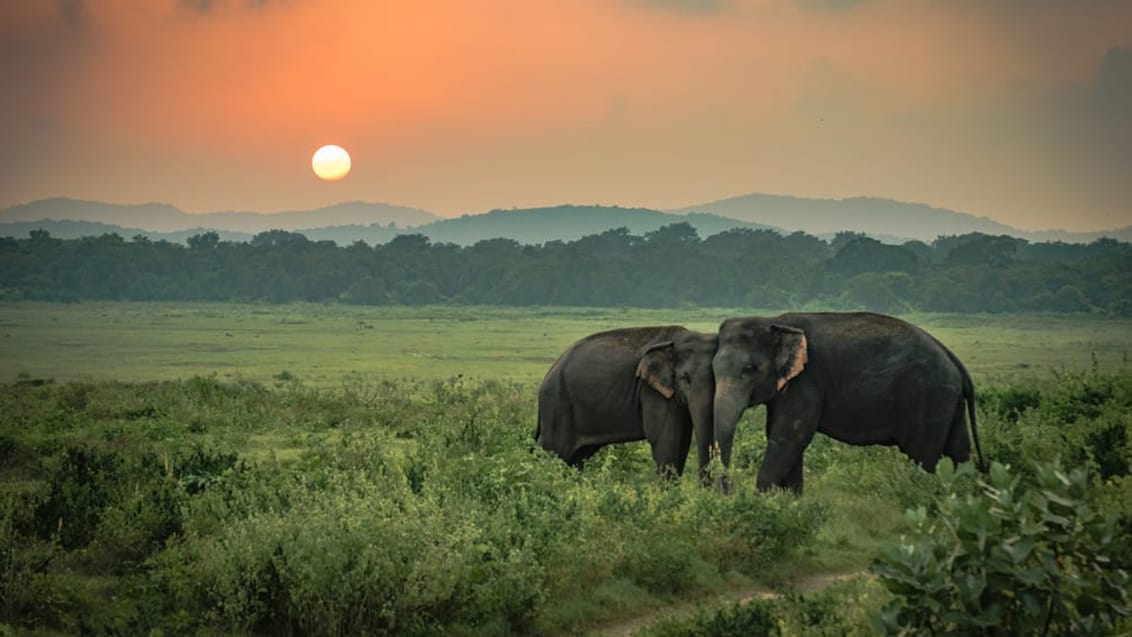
column 750, row 368
column 686, row 377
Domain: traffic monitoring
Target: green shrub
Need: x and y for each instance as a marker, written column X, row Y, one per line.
column 1083, row 418
column 79, row 490
column 1114, row 496
column 753, row 619
column 29, row 591
column 839, row 610
column 1005, row 554
column 1009, row 403
column 201, row 467
column 350, row 559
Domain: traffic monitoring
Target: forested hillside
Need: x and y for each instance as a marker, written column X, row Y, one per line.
column 669, row 267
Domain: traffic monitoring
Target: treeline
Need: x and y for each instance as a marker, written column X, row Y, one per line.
column 669, row 267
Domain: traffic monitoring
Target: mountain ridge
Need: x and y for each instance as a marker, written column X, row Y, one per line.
column 885, row 219
column 876, row 215
column 161, row 217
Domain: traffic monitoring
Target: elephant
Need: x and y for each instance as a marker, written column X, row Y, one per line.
column 858, row 377
column 651, row 383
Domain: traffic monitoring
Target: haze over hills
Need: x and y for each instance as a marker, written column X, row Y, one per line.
column 861, row 214
column 529, row 226
column 874, row 216
column 67, row 229
column 885, row 219
column 568, row 223
column 158, row 217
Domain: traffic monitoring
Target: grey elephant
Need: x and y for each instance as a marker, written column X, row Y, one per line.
column 861, row 378
column 650, row 383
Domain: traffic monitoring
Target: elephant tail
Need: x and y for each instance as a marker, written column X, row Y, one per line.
column 969, row 398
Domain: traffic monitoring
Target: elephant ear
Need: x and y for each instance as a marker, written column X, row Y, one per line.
column 792, row 354
column 657, row 368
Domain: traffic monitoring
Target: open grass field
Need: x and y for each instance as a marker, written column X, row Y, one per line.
column 326, row 345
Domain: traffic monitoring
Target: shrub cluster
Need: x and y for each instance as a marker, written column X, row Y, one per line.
column 1038, row 546
column 403, row 507
column 395, row 508
column 1005, row 555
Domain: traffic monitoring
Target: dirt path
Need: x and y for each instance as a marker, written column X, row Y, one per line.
column 628, row 626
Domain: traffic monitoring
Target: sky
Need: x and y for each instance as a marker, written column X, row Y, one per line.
column 1018, row 110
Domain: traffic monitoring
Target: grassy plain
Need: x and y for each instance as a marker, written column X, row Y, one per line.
column 326, row 345
column 355, row 486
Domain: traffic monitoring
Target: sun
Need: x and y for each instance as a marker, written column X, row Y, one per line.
column 331, row 163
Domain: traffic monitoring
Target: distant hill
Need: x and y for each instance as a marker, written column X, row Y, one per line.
column 528, row 226
column 159, row 217
column 77, row 229
column 567, row 223
column 884, row 219
column 877, row 217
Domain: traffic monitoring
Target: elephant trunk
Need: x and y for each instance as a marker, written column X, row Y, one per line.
column 728, row 407
column 701, row 409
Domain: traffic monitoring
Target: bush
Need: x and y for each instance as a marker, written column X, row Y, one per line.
column 352, row 558
column 424, row 508
column 79, row 490
column 1009, row 403
column 753, row 619
column 1005, row 554
column 840, row 610
column 1084, row 418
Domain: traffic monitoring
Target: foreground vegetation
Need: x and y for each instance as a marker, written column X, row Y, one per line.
column 199, row 506
column 327, row 469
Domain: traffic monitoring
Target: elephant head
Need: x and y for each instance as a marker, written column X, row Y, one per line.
column 754, row 363
column 681, row 370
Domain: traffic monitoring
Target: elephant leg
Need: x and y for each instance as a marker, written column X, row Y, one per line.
column 791, row 422
column 670, row 455
column 782, row 464
column 668, row 429
column 793, row 479
column 578, row 458
column 682, row 451
column 703, row 454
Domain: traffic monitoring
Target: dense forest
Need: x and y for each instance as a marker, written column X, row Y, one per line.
column 669, row 267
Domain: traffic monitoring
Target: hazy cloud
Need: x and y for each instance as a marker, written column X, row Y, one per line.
column 204, row 6
column 199, row 5
column 1018, row 110
column 828, row 5
column 830, row 91
column 687, row 6
column 1112, row 88
column 1087, row 129
column 72, row 11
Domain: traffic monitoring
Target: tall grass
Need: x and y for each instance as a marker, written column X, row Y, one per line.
column 409, row 508
column 423, row 507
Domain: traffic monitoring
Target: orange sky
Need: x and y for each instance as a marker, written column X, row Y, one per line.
column 1020, row 110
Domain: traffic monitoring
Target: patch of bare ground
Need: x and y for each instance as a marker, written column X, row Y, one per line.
column 631, row 625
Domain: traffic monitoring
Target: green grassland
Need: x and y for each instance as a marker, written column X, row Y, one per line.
column 325, row 345
column 321, row 469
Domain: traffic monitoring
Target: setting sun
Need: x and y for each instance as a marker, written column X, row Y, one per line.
column 331, row 163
